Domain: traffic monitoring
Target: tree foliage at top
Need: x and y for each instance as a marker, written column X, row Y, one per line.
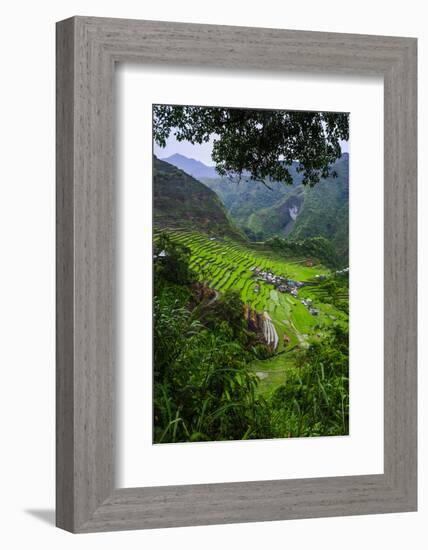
column 258, row 144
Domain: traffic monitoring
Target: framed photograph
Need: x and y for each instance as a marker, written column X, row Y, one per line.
column 257, row 295
column 236, row 274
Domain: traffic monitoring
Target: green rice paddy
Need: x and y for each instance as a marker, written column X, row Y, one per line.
column 226, row 264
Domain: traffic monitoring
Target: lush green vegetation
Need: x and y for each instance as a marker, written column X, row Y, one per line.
column 223, row 263
column 320, row 211
column 208, row 364
column 325, row 212
column 250, row 302
column 260, row 213
column 311, row 247
column 178, row 196
column 249, row 142
column 245, row 199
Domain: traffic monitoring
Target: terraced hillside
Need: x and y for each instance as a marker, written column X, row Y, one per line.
column 224, row 264
column 288, row 211
column 180, row 199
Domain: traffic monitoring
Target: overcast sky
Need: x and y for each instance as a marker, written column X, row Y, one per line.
column 199, row 152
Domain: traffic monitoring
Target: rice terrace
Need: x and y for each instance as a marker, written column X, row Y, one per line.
column 251, row 276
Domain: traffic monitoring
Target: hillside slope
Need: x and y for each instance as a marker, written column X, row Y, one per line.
column 325, row 211
column 181, row 201
column 292, row 212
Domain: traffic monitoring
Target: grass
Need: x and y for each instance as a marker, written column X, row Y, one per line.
column 273, row 372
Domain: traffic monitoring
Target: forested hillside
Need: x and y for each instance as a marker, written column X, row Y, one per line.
column 250, row 275
column 181, row 201
column 293, row 211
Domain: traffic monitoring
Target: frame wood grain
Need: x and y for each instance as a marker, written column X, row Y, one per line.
column 87, row 50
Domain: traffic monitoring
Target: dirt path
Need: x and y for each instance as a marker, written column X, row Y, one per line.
column 301, row 337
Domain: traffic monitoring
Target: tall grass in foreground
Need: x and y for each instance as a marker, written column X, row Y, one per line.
column 315, row 397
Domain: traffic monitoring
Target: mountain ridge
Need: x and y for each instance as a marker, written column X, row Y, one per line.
column 191, row 166
column 179, row 200
column 293, row 212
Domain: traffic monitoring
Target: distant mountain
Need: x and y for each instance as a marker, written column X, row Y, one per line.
column 191, row 166
column 179, row 200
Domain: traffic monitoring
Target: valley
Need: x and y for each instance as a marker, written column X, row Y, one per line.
column 287, row 211
column 250, row 278
column 225, row 264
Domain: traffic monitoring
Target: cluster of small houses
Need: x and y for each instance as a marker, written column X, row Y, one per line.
column 343, row 271
column 282, row 284
column 308, row 303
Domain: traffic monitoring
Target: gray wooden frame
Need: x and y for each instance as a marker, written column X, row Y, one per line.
column 87, row 50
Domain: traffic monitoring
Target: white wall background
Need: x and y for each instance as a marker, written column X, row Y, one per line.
column 27, row 272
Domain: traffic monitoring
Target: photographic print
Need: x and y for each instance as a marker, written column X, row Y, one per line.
column 250, row 273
